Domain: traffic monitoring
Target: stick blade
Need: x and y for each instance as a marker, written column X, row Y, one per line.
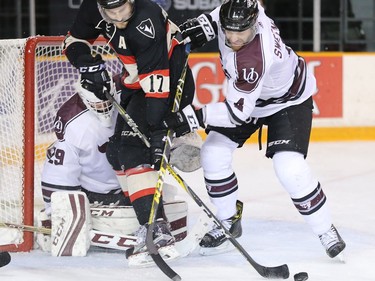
column 163, row 266
column 5, row 258
column 278, row 272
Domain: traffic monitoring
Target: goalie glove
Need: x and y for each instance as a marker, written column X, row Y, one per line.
column 185, row 121
column 94, row 76
column 199, row 30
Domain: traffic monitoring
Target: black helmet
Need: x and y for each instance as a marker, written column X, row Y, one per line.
column 238, row 15
column 111, row 4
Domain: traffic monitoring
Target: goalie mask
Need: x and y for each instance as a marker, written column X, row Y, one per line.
column 115, row 11
column 103, row 110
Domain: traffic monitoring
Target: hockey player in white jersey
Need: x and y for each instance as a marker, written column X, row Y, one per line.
column 267, row 84
column 77, row 161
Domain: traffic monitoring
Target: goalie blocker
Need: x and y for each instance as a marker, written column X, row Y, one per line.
column 76, row 226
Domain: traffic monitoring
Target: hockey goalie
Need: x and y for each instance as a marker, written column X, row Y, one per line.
column 86, row 202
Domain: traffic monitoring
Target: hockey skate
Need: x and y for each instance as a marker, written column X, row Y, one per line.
column 163, row 239
column 333, row 243
column 215, row 241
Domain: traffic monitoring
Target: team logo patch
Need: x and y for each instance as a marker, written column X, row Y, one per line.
column 250, row 76
column 147, row 28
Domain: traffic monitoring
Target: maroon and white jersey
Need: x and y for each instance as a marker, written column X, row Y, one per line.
column 78, row 156
column 263, row 77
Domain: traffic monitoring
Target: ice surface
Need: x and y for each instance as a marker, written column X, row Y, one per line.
column 274, row 232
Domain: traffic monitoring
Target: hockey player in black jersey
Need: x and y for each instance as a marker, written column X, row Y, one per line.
column 147, row 44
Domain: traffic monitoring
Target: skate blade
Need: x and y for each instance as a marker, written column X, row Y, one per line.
column 145, row 260
column 341, row 257
column 223, row 248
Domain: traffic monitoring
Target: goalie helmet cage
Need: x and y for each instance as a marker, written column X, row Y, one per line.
column 35, row 80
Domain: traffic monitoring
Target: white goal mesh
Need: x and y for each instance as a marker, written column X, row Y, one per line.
column 35, row 80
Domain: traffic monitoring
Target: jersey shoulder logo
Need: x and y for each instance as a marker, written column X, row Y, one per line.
column 250, row 76
column 147, row 28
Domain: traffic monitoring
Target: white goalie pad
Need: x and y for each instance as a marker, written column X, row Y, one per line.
column 71, row 224
column 122, row 219
column 185, row 152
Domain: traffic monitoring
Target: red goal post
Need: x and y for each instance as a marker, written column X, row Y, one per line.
column 35, row 80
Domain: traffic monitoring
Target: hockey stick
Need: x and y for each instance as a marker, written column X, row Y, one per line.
column 127, row 118
column 162, row 171
column 277, row 272
column 5, row 258
column 29, row 228
column 159, row 184
column 97, row 238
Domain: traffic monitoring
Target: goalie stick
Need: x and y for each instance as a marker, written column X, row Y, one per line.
column 29, row 228
column 97, row 238
column 277, row 272
column 5, row 258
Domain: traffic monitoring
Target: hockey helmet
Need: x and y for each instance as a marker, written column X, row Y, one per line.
column 111, row 4
column 238, row 15
column 105, row 5
column 103, row 110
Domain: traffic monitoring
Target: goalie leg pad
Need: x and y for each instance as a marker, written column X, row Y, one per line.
column 122, row 219
column 71, row 224
column 176, row 213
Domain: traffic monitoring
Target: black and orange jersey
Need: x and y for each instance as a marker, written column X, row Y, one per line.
column 144, row 46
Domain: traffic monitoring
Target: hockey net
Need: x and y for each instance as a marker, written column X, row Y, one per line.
column 35, row 80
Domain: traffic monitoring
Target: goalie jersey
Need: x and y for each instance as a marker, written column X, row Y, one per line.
column 78, row 157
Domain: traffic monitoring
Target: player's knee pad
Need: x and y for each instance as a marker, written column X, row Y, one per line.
column 294, row 173
column 216, row 156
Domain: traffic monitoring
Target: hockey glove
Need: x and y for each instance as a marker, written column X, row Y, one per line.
column 94, row 77
column 157, row 141
column 185, row 121
column 199, row 30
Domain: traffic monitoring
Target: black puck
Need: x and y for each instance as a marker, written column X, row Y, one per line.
column 4, row 258
column 301, row 276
